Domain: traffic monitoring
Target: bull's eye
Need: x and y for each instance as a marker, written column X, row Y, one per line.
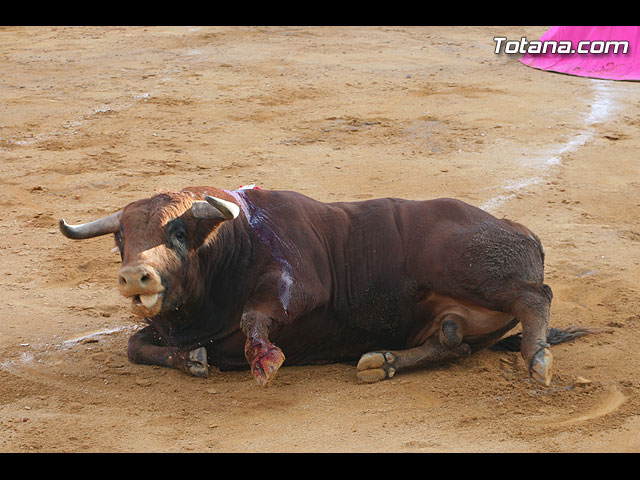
column 177, row 236
column 180, row 236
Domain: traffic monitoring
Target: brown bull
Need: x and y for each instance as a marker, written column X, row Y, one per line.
column 229, row 277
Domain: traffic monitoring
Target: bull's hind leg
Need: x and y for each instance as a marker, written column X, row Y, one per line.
column 376, row 366
column 532, row 309
column 145, row 347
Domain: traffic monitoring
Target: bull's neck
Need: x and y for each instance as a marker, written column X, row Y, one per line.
column 269, row 243
column 226, row 263
column 215, row 289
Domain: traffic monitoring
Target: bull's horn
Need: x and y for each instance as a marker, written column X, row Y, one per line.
column 215, row 208
column 102, row 226
column 228, row 209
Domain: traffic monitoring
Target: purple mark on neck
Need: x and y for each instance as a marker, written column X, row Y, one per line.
column 274, row 238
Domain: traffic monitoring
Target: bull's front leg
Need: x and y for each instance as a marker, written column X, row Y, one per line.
column 263, row 356
column 146, row 347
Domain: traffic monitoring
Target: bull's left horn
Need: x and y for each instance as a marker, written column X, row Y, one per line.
column 215, row 208
column 102, row 226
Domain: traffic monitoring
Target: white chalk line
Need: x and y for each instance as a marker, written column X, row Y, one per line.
column 28, row 358
column 71, row 127
column 601, row 108
column 91, row 335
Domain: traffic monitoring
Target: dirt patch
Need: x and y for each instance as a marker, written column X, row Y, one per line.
column 94, row 118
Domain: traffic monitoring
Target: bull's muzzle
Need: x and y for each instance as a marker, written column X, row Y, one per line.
column 142, row 283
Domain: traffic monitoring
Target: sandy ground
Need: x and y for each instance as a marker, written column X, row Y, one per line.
column 94, row 118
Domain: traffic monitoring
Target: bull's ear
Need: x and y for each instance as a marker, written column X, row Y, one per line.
column 214, row 207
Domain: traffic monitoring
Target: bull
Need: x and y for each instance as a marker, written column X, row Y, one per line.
column 248, row 277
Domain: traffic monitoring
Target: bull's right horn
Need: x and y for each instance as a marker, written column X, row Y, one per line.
column 229, row 209
column 214, row 207
column 102, row 226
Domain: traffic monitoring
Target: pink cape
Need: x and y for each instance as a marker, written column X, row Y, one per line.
column 612, row 66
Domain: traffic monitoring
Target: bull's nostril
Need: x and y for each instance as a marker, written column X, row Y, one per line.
column 132, row 279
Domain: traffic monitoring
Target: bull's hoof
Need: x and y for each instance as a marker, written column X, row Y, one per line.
column 197, row 363
column 375, row 366
column 540, row 369
column 266, row 365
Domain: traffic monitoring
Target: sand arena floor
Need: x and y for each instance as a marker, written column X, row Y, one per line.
column 94, row 118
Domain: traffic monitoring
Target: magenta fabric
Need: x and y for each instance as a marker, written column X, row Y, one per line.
column 620, row 66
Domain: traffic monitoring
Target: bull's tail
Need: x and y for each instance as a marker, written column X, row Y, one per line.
column 554, row 336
